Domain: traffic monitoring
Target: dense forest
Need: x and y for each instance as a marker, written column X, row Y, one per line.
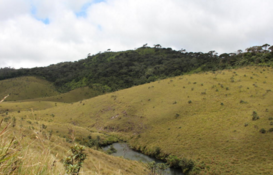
column 111, row 71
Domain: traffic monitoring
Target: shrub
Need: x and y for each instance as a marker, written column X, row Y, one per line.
column 186, row 165
column 270, row 118
column 173, row 161
column 242, row 101
column 271, row 123
column 222, row 104
column 111, row 150
column 177, row 115
column 255, row 116
column 262, row 131
column 44, row 126
column 246, row 124
column 157, row 168
column 73, row 162
column 13, row 122
column 270, row 130
column 6, row 119
column 189, row 101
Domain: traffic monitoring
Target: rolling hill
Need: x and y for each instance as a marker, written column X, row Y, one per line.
column 222, row 119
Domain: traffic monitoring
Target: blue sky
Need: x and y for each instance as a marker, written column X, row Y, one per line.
column 43, row 32
column 84, row 8
column 33, row 12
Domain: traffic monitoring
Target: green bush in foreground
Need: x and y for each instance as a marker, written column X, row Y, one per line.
column 73, row 162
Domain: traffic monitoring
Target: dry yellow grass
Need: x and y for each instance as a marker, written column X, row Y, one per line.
column 211, row 128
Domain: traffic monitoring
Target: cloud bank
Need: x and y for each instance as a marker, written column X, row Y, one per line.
column 42, row 32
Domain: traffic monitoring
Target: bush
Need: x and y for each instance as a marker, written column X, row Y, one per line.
column 189, row 101
column 73, row 162
column 177, row 115
column 255, row 116
column 262, row 131
column 157, row 168
column 186, row 165
column 111, row 150
column 173, row 161
column 270, row 130
column 242, row 101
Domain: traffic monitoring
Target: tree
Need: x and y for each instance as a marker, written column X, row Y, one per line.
column 239, row 51
column 182, row 50
column 265, row 46
column 271, row 48
column 145, row 45
column 211, row 53
column 157, row 45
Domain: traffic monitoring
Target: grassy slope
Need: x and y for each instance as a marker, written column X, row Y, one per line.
column 36, row 89
column 22, row 88
column 33, row 152
column 72, row 96
column 205, row 130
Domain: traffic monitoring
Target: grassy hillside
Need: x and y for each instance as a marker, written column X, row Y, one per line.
column 204, row 117
column 37, row 89
column 71, row 96
column 22, row 88
column 30, row 151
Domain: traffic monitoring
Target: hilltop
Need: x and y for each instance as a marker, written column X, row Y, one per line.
column 112, row 71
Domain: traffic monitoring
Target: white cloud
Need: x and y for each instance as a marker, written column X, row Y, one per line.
column 224, row 26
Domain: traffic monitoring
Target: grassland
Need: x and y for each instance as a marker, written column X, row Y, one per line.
column 204, row 117
column 32, row 89
column 22, row 88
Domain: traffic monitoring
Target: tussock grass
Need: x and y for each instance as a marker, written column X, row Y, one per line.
column 204, row 131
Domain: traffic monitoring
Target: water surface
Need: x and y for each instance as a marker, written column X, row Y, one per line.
column 126, row 152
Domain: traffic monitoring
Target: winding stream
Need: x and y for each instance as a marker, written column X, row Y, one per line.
column 124, row 150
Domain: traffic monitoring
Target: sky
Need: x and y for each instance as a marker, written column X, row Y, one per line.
column 35, row 33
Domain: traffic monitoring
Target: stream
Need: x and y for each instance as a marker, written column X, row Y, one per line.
column 125, row 151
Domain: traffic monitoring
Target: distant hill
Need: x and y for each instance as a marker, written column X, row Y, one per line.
column 29, row 87
column 112, row 71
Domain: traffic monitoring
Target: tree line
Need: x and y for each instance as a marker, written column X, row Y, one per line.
column 111, row 71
